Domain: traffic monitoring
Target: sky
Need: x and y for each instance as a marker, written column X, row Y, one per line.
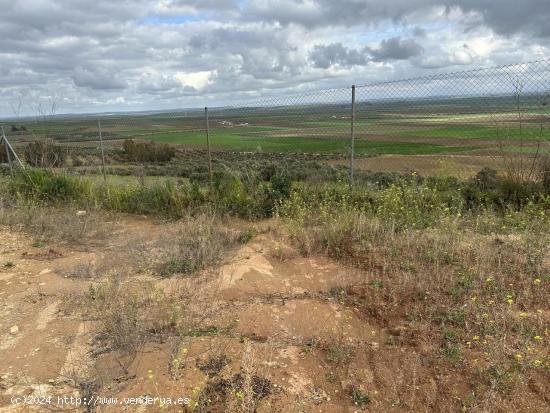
column 75, row 56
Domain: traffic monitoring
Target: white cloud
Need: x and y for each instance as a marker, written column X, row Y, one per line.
column 196, row 80
column 176, row 53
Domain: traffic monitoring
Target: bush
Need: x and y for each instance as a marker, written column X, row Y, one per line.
column 275, row 192
column 44, row 154
column 231, row 195
column 518, row 194
column 488, row 190
column 487, row 179
column 160, row 199
column 267, row 172
column 148, row 151
column 414, row 206
column 249, row 197
column 40, row 185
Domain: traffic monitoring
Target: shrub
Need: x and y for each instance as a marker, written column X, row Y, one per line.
column 486, row 179
column 414, row 206
column 45, row 186
column 148, row 151
column 488, row 190
column 120, row 313
column 267, row 172
column 518, row 194
column 160, row 199
column 249, row 197
column 44, row 154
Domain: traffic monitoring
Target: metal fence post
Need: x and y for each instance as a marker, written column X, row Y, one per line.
column 208, row 145
column 6, row 147
column 10, row 149
column 102, row 150
column 352, row 134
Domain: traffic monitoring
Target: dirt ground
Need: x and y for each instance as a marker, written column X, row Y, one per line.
column 463, row 166
column 272, row 311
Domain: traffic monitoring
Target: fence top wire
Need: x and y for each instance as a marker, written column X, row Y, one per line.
column 343, row 95
column 466, row 73
column 488, row 81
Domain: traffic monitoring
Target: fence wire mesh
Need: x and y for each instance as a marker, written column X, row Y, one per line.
column 454, row 124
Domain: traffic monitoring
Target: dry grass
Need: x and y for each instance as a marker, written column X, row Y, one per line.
column 191, row 245
column 240, row 393
column 478, row 298
column 130, row 313
column 64, row 225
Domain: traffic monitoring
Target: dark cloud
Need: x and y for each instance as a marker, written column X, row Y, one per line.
column 504, row 16
column 419, row 32
column 329, row 12
column 511, row 16
column 325, row 56
column 151, row 83
column 99, row 79
column 396, row 48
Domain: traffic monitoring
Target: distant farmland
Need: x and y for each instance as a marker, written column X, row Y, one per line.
column 470, row 127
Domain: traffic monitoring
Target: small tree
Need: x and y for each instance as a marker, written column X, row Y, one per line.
column 147, row 151
column 44, row 154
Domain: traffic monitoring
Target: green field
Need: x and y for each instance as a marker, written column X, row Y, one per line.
column 230, row 140
column 410, row 127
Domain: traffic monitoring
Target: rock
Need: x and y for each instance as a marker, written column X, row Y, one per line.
column 14, row 330
column 80, row 213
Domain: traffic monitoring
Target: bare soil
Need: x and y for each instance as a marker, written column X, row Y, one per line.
column 463, row 166
column 309, row 351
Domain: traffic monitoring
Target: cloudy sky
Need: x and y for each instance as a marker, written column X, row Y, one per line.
column 105, row 55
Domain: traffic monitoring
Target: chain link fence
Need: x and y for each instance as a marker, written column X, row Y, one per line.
column 451, row 124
